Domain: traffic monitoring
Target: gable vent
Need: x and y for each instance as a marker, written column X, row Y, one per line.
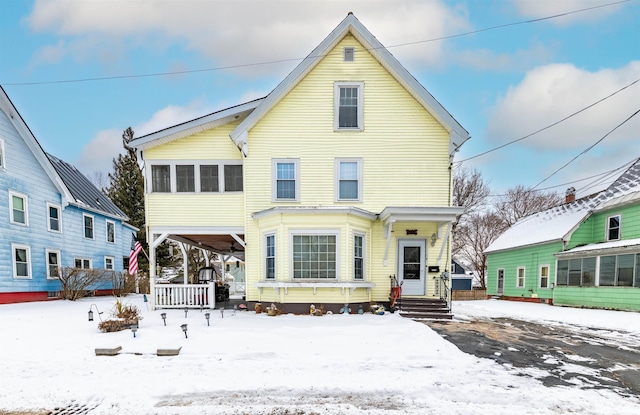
column 348, row 54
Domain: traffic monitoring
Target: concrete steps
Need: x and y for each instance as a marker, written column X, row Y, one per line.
column 425, row 308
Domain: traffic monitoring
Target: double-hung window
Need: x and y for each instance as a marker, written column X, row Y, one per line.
column 21, row 261
column 108, row 263
column 286, row 182
column 520, row 277
column 348, row 102
column 53, row 214
column 613, row 228
column 53, row 263
column 185, row 178
column 270, row 256
column 161, row 178
column 348, row 179
column 544, row 276
column 358, row 256
column 111, row 232
column 19, row 213
column 315, row 256
column 88, row 226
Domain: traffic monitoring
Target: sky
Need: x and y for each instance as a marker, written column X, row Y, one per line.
column 80, row 72
column 296, row 364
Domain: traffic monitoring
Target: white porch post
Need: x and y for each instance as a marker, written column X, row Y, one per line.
column 185, row 263
column 154, row 242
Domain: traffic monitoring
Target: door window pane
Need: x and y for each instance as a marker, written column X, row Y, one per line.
column 233, row 178
column 411, row 265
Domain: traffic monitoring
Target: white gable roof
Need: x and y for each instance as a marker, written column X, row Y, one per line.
column 351, row 25
column 557, row 223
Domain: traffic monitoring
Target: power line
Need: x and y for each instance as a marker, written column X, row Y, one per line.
column 221, row 68
column 550, row 125
column 587, row 149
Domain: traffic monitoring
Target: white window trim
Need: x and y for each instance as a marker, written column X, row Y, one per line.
column 275, row 256
column 83, row 259
column 296, row 232
column 364, row 256
column 607, row 228
column 53, row 205
column 336, row 105
column 274, row 179
column 26, row 207
column 93, row 227
column 106, row 231
column 196, row 172
column 46, row 260
column 548, row 266
column 3, row 160
column 336, row 175
column 113, row 263
column 524, row 277
column 13, row 261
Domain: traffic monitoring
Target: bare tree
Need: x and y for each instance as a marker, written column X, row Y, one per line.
column 474, row 235
column 520, row 201
column 78, row 282
column 470, row 191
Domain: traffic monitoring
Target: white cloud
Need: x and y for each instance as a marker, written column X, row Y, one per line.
column 521, row 59
column 549, row 93
column 98, row 154
column 239, row 32
column 543, row 8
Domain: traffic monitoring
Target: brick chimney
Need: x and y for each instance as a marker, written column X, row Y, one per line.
column 570, row 195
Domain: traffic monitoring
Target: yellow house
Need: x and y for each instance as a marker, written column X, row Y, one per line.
column 330, row 188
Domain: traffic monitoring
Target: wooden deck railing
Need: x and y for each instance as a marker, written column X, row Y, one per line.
column 184, row 295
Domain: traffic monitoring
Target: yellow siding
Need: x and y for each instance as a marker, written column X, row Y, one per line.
column 405, row 163
column 195, row 209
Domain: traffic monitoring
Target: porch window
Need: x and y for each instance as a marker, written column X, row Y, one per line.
column 21, row 261
column 544, row 276
column 608, row 270
column 349, row 179
column 161, row 178
column 314, row 256
column 53, row 213
column 624, row 270
column 613, row 228
column 358, row 257
column 19, row 213
column 233, row 178
column 53, row 264
column 349, row 112
column 209, row 178
column 88, row 226
column 185, row 178
column 520, row 277
column 270, row 257
column 286, row 179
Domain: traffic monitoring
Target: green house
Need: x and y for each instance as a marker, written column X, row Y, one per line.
column 583, row 253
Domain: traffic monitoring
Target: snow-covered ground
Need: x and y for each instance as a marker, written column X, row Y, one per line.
column 246, row 363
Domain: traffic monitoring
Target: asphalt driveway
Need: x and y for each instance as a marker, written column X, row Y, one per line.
column 557, row 354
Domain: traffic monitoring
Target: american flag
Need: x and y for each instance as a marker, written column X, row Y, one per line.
column 136, row 247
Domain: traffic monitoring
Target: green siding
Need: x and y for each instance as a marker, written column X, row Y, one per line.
column 593, row 230
column 620, row 298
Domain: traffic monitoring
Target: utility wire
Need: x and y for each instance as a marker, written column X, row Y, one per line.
column 550, row 125
column 587, row 149
column 221, row 68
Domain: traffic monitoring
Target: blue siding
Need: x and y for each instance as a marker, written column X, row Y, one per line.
column 25, row 175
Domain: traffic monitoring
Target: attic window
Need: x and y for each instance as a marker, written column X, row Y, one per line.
column 348, row 54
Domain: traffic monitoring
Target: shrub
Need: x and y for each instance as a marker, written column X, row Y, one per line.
column 78, row 282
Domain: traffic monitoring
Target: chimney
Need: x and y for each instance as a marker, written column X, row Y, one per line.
column 570, row 195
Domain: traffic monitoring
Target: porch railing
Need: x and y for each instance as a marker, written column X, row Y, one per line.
column 184, row 295
column 443, row 289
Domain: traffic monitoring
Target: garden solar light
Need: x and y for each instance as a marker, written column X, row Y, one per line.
column 134, row 328
column 164, row 318
column 186, row 310
column 91, row 312
column 184, row 328
column 207, row 316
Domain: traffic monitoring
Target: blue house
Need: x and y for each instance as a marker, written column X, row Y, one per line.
column 51, row 217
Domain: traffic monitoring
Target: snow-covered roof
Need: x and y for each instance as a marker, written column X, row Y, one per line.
column 557, row 223
column 608, row 246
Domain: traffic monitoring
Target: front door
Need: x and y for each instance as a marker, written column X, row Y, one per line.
column 500, row 288
column 411, row 266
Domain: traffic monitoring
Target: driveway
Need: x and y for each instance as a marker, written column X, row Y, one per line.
column 557, row 354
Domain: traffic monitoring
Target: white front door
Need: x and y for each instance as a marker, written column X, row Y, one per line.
column 411, row 266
